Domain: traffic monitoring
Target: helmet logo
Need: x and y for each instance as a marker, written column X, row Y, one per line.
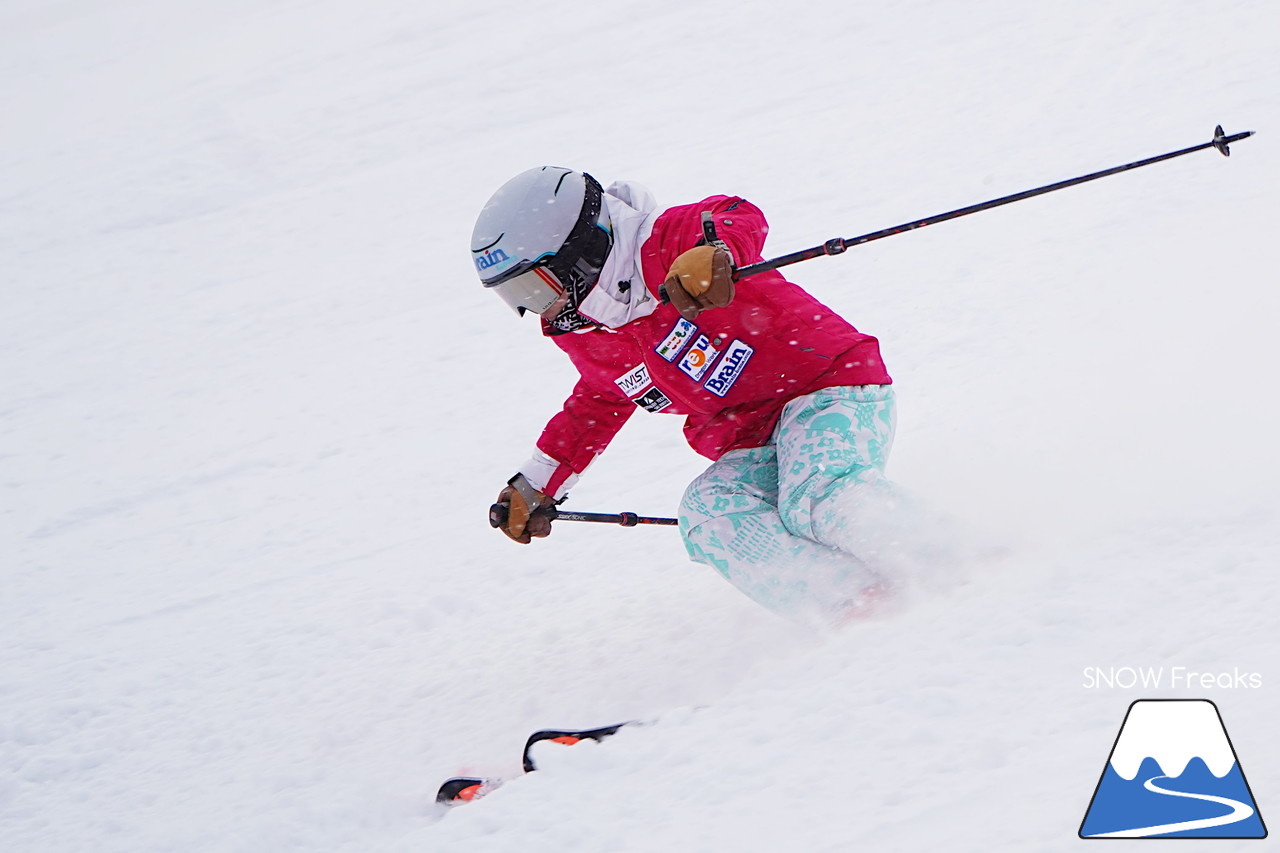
column 491, row 258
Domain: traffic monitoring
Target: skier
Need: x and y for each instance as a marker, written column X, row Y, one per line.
column 792, row 403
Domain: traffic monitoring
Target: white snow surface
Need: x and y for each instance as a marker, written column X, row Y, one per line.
column 254, row 405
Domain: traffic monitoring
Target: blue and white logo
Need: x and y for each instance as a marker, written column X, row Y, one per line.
column 731, row 367
column 1172, row 773
column 490, row 259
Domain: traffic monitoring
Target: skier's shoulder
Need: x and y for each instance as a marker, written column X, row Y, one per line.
column 686, row 214
column 737, row 221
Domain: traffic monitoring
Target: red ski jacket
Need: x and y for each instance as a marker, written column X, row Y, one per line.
column 730, row 372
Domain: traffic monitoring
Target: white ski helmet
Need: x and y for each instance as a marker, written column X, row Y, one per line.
column 543, row 233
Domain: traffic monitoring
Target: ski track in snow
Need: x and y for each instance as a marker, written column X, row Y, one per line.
column 1239, row 811
column 254, row 406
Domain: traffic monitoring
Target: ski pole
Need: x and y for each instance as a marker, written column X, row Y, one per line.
column 498, row 517
column 837, row 245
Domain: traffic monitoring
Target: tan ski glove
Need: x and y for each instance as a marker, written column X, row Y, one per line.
column 699, row 279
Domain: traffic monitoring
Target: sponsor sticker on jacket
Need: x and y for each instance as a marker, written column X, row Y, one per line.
column 730, row 368
column 699, row 357
column 634, row 380
column 653, row 400
column 681, row 333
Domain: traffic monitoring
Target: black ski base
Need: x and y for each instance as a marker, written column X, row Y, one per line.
column 464, row 789
column 566, row 737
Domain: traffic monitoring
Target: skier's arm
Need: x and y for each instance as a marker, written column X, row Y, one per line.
column 575, row 437
column 569, row 443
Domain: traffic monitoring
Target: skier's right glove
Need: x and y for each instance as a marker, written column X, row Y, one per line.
column 524, row 522
column 699, row 279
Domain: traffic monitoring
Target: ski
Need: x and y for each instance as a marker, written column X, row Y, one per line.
column 465, row 789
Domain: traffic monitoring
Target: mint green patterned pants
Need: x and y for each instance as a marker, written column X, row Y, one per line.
column 780, row 521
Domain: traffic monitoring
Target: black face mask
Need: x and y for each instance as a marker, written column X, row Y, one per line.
column 578, row 263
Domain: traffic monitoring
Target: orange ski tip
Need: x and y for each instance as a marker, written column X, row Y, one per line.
column 468, row 794
column 568, row 740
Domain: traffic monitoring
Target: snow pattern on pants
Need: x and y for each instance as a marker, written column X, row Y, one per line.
column 776, row 520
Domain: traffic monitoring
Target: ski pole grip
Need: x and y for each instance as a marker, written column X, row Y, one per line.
column 498, row 513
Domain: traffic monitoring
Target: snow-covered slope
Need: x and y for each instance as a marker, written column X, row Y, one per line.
column 253, row 407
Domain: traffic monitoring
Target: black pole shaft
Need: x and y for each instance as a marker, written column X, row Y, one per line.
column 838, row 245
column 498, row 516
column 626, row 519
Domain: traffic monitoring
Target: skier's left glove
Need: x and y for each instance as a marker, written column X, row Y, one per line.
column 524, row 522
column 699, row 279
